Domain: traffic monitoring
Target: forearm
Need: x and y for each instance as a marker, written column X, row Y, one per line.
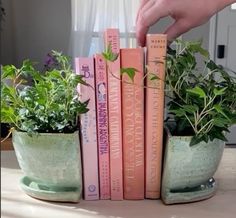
column 224, row 3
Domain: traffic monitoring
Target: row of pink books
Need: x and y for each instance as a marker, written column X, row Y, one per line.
column 121, row 135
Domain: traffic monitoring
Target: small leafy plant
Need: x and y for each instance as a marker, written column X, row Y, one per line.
column 202, row 102
column 50, row 104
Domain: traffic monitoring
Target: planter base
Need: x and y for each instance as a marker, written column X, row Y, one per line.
column 198, row 193
column 48, row 193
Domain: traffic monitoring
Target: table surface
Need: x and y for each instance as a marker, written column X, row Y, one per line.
column 16, row 204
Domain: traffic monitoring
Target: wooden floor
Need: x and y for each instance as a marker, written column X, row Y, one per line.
column 6, row 145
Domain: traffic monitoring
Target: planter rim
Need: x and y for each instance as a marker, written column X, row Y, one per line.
column 45, row 133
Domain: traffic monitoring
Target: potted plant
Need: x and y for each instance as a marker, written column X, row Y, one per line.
column 44, row 116
column 202, row 106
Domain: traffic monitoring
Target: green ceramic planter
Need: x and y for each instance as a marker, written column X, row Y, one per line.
column 51, row 164
column 188, row 171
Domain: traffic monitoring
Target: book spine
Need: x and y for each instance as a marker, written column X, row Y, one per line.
column 156, row 53
column 102, row 126
column 111, row 37
column 85, row 67
column 133, row 124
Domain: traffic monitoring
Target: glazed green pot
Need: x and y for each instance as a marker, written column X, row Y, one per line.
column 51, row 164
column 188, row 170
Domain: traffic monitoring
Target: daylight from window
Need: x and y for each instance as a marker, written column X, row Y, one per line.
column 233, row 6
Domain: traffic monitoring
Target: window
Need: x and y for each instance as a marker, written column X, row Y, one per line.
column 233, row 6
column 90, row 18
column 115, row 14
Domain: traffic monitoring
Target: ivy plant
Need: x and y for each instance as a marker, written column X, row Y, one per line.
column 49, row 104
column 202, row 101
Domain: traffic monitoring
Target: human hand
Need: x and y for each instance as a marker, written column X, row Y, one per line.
column 186, row 13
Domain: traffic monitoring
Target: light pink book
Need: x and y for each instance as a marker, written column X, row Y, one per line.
column 111, row 37
column 133, row 124
column 102, row 126
column 85, row 67
column 156, row 53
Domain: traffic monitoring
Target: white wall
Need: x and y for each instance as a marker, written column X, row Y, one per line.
column 6, row 35
column 34, row 27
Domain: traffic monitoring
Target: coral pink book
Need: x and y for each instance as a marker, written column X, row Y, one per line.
column 156, row 53
column 85, row 67
column 102, row 126
column 111, row 37
column 133, row 124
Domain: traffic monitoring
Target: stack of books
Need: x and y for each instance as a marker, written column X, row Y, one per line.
column 121, row 135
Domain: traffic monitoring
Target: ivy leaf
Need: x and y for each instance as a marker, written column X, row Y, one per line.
column 196, row 47
column 197, row 91
column 219, row 135
column 195, row 140
column 130, row 72
column 79, row 79
column 109, row 55
column 153, row 76
column 218, row 108
column 212, row 65
column 177, row 112
column 190, row 108
column 220, row 122
column 219, row 91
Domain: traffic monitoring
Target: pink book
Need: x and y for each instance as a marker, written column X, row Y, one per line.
column 115, row 120
column 102, row 127
column 133, row 124
column 156, row 53
column 85, row 67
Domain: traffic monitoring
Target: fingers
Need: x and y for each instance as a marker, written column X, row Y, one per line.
column 151, row 12
column 142, row 3
column 177, row 29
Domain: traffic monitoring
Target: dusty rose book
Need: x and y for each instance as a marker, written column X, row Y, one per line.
column 85, row 67
column 156, row 53
column 111, row 37
column 133, row 124
column 102, row 126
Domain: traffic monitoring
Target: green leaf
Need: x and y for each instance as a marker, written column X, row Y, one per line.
column 219, row 135
column 79, row 79
column 153, row 76
column 220, row 122
column 130, row 72
column 212, row 65
column 197, row 91
column 195, row 140
column 219, row 109
column 109, row 55
column 8, row 115
column 219, row 91
column 9, row 71
column 196, row 47
column 190, row 108
column 177, row 112
column 56, row 74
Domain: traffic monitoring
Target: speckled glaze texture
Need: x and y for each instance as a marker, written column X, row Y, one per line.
column 188, row 171
column 51, row 164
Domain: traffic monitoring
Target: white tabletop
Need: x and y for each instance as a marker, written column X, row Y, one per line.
column 16, row 204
